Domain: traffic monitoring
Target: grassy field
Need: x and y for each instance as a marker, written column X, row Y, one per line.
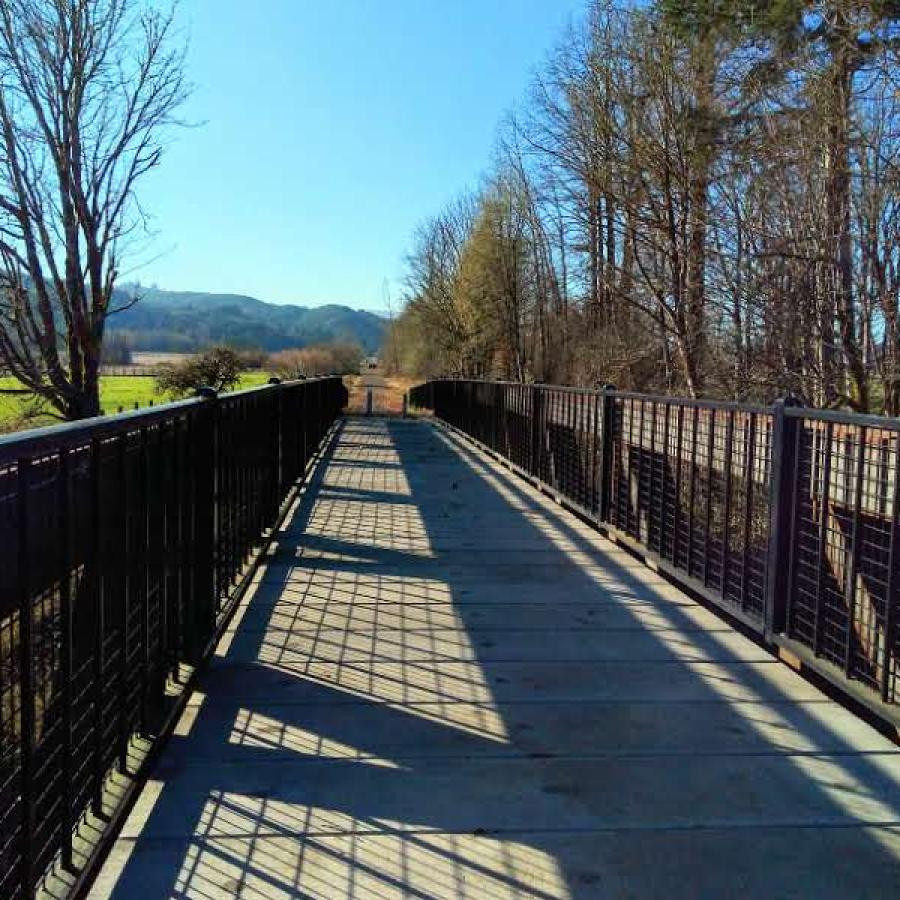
column 116, row 391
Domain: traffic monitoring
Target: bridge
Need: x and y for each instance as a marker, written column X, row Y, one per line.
column 453, row 659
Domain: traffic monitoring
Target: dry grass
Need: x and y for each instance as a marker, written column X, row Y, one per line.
column 387, row 392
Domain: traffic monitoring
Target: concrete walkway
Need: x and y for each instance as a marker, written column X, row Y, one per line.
column 444, row 685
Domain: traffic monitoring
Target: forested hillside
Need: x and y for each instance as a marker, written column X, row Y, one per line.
column 695, row 197
column 185, row 321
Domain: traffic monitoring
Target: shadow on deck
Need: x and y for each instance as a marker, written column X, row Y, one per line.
column 444, row 685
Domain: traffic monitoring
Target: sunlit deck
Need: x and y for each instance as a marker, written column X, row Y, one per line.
column 445, row 685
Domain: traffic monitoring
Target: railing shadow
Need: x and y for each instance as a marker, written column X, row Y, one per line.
column 444, row 685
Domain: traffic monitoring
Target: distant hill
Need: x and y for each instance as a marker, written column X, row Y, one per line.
column 187, row 320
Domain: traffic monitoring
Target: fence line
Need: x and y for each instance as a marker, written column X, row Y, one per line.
column 125, row 543
column 785, row 517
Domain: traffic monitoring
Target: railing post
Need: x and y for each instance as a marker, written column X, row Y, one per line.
column 99, row 585
column 498, row 417
column 142, row 556
column 890, row 593
column 64, row 537
column 607, row 440
column 277, row 448
column 537, row 432
column 782, row 492
column 206, row 523
column 26, row 670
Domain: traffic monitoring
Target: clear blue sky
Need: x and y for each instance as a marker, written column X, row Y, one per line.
column 331, row 127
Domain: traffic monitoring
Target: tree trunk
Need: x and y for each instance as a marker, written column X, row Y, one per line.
column 698, row 202
column 838, row 207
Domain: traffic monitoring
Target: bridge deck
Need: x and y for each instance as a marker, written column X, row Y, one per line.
column 444, row 685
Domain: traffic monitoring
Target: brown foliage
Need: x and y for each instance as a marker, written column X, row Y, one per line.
column 335, row 358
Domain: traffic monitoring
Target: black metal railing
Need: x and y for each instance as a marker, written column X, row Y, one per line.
column 785, row 517
column 124, row 545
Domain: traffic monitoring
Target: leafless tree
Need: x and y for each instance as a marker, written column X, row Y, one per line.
column 88, row 92
column 707, row 194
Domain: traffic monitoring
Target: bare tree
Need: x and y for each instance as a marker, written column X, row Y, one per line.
column 88, row 89
column 706, row 202
column 432, row 269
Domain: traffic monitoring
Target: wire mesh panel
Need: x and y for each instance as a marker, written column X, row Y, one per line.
column 248, row 481
column 844, row 601
column 691, row 482
column 516, row 405
column 85, row 606
column 552, row 433
column 119, row 539
column 569, row 429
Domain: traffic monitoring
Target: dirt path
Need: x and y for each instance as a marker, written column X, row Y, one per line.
column 387, row 392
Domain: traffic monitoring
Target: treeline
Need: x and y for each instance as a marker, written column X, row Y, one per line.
column 696, row 197
column 327, row 358
column 221, row 367
column 117, row 350
column 158, row 341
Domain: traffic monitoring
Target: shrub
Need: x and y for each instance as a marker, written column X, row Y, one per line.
column 335, row 358
column 218, row 368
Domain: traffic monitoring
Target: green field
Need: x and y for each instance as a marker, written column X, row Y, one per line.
column 125, row 391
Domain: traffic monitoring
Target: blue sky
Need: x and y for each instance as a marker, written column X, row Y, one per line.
column 330, row 129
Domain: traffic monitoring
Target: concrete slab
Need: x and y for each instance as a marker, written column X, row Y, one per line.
column 256, row 794
column 625, row 681
column 789, row 863
column 307, row 614
column 357, row 585
column 286, row 646
column 324, row 728
column 444, row 685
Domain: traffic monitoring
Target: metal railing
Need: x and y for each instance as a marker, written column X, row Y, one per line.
column 125, row 543
column 787, row 518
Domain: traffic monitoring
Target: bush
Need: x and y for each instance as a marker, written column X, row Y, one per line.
column 347, row 356
column 335, row 358
column 218, row 368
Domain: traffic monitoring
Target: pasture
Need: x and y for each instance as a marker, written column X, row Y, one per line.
column 125, row 391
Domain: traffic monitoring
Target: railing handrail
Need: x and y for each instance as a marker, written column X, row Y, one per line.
column 29, row 441
column 725, row 405
column 65, row 434
column 837, row 416
column 841, row 417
